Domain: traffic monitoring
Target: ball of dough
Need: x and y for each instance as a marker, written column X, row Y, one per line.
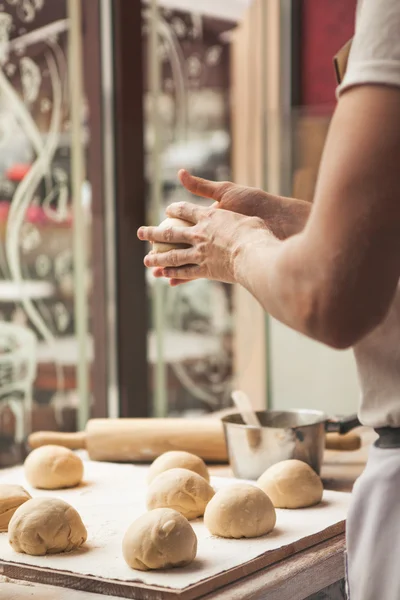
column 165, row 247
column 181, row 490
column 46, row 526
column 291, row 484
column 53, row 467
column 11, row 497
column 176, row 459
column 160, row 539
column 240, row 510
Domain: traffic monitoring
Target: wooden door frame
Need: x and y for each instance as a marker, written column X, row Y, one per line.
column 92, row 71
column 131, row 301
column 127, row 328
column 265, row 88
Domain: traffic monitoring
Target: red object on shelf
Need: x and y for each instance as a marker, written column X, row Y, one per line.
column 326, row 26
column 4, row 208
column 36, row 215
column 17, row 172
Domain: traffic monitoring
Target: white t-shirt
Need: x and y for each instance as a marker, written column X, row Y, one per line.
column 375, row 59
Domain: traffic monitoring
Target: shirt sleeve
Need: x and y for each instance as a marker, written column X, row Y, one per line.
column 375, row 53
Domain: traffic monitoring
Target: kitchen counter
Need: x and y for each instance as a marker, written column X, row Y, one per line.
column 306, row 575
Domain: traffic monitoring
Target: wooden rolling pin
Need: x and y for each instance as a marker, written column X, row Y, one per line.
column 142, row 440
column 347, row 442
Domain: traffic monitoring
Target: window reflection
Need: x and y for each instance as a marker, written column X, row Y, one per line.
column 194, row 132
column 36, row 223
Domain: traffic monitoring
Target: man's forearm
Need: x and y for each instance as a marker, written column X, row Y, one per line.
column 267, row 271
column 336, row 280
column 283, row 216
column 306, row 290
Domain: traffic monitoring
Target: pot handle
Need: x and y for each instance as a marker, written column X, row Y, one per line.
column 342, row 425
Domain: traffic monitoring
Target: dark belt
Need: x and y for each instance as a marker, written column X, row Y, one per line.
column 389, row 437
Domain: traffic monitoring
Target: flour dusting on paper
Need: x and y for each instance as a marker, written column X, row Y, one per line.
column 113, row 496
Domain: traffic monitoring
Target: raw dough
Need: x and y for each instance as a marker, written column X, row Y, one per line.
column 163, row 246
column 53, row 467
column 182, row 490
column 292, row 484
column 46, row 526
column 177, row 459
column 240, row 510
column 160, row 539
column 11, row 497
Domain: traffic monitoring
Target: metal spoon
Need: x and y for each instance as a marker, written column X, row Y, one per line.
column 243, row 404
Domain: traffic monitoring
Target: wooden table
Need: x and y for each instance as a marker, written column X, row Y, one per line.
column 304, row 576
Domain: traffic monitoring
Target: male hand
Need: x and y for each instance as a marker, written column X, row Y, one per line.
column 213, row 246
column 283, row 216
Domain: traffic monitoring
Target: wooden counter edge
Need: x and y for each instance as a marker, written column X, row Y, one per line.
column 294, row 578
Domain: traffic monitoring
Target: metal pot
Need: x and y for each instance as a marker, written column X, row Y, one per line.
column 283, row 435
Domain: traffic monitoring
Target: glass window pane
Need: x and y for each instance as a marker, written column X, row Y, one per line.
column 44, row 197
column 187, row 125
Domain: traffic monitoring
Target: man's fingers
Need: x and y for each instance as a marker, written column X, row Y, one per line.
column 188, row 272
column 203, row 187
column 188, row 212
column 176, row 282
column 173, row 258
column 197, row 185
column 158, row 272
column 168, row 235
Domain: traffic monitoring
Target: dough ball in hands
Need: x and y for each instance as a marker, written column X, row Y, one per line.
column 182, row 490
column 292, row 484
column 177, row 459
column 46, row 526
column 160, row 539
column 11, row 497
column 165, row 247
column 240, row 511
column 53, row 467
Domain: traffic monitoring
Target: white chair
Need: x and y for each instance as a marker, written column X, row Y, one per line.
column 18, row 365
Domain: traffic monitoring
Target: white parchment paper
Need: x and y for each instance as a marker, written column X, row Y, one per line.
column 113, row 496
